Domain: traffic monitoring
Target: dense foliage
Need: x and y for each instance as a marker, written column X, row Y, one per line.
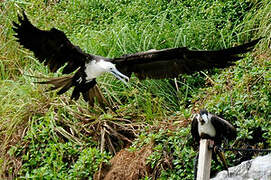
column 45, row 135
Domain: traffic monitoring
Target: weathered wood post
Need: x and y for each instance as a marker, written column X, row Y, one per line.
column 205, row 157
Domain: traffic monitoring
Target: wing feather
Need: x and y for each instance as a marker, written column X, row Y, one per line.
column 168, row 63
column 224, row 127
column 51, row 47
column 194, row 129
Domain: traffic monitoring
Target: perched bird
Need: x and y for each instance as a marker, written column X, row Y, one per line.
column 54, row 49
column 209, row 126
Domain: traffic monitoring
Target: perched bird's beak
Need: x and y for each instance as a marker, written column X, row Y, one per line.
column 120, row 76
column 201, row 121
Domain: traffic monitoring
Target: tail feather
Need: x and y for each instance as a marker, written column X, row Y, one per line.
column 65, row 88
column 58, row 82
column 90, row 91
column 95, row 93
column 65, row 82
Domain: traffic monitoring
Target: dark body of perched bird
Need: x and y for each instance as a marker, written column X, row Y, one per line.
column 209, row 126
column 55, row 50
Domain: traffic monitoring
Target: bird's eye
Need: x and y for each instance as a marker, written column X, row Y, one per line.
column 111, row 68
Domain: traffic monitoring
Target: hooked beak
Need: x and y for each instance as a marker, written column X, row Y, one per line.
column 120, row 76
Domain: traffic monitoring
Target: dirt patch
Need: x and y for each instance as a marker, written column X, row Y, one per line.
column 127, row 165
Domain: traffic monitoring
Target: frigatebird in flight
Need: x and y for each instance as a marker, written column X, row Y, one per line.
column 54, row 49
column 206, row 125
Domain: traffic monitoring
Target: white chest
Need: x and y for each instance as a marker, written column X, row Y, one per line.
column 93, row 70
column 207, row 128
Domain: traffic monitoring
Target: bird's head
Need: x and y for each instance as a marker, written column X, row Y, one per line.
column 203, row 116
column 110, row 67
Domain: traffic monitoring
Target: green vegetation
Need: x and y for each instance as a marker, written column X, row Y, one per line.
column 43, row 135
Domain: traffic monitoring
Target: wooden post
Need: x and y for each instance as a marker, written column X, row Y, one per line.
column 205, row 157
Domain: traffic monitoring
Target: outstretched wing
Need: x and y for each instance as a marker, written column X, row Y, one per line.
column 168, row 63
column 51, row 47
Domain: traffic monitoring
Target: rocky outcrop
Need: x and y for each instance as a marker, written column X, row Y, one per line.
column 255, row 169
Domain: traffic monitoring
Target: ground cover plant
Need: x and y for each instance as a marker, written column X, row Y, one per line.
column 43, row 135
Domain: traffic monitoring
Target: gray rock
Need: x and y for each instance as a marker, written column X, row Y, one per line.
column 255, row 169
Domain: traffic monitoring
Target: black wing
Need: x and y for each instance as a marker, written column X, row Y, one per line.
column 168, row 63
column 194, row 129
column 223, row 128
column 51, row 47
